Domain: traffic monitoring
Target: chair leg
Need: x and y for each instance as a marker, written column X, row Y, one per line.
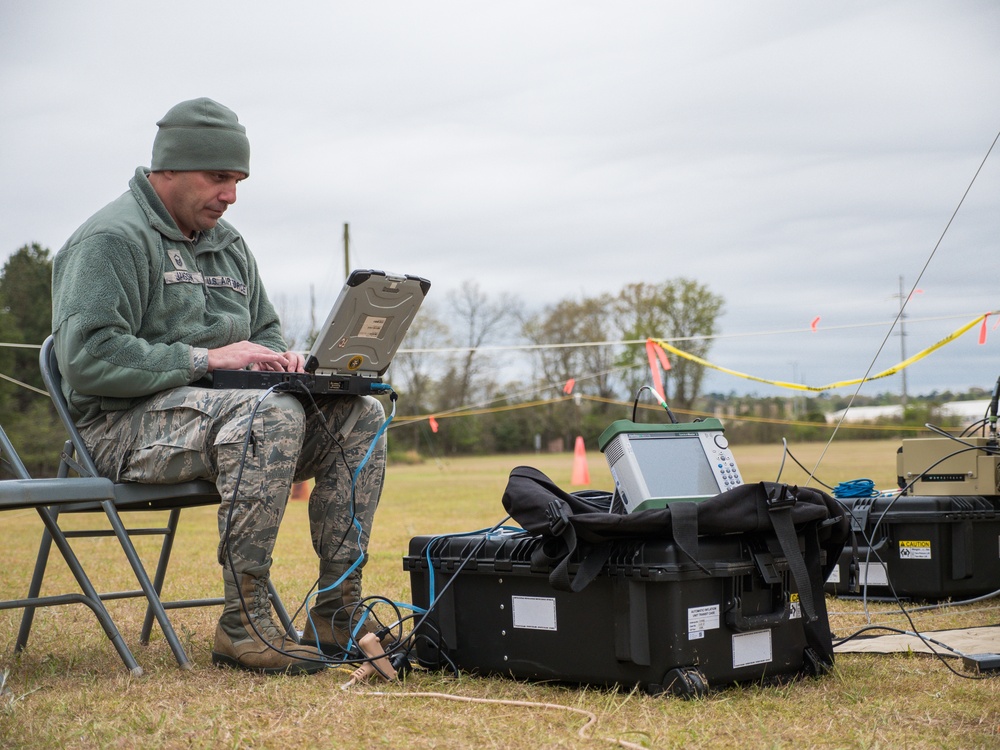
column 28, row 616
column 279, row 609
column 93, row 598
column 152, row 589
column 161, row 571
column 152, row 596
column 44, row 549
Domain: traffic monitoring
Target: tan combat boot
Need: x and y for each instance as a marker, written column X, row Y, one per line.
column 248, row 638
column 330, row 621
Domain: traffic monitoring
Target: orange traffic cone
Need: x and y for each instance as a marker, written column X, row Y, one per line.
column 581, row 474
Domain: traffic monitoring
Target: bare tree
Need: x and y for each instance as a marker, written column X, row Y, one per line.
column 415, row 369
column 478, row 321
column 581, row 326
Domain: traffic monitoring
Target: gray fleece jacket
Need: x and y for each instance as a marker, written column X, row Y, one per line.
column 136, row 305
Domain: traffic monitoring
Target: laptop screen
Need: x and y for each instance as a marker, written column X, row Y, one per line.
column 367, row 323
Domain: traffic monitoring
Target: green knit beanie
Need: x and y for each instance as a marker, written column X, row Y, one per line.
column 201, row 135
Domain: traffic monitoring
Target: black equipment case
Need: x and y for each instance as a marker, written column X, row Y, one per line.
column 652, row 617
column 920, row 547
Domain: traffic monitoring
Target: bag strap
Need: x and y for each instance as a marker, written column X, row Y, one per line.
column 684, row 525
column 806, row 570
column 593, row 559
column 779, row 506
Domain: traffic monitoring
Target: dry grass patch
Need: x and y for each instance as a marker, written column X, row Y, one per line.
column 69, row 688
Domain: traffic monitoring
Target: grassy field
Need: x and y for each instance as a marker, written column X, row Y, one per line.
column 69, row 689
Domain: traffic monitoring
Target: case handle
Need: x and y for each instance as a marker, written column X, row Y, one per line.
column 740, row 623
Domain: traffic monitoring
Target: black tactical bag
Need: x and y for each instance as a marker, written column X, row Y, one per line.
column 579, row 531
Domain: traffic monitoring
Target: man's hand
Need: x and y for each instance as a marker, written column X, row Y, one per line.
column 247, row 354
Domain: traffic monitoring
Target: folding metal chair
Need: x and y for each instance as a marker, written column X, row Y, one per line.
column 46, row 496
column 128, row 496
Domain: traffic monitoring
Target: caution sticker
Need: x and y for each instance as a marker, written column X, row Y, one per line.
column 914, row 550
column 794, row 607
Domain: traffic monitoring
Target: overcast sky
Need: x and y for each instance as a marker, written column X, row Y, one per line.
column 798, row 158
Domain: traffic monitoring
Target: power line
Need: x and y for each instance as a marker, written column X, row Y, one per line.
column 713, row 337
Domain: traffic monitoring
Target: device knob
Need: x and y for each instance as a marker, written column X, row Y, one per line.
column 720, row 440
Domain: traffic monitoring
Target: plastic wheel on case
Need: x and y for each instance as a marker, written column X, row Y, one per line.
column 685, row 682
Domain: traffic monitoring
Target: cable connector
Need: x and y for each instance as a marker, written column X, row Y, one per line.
column 378, row 662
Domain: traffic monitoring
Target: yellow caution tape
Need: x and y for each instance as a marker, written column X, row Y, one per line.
column 799, row 387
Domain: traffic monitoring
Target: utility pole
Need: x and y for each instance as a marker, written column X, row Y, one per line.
column 313, row 331
column 347, row 251
column 902, row 338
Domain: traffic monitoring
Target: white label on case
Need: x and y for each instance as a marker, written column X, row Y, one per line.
column 703, row 618
column 751, row 648
column 874, row 574
column 534, row 612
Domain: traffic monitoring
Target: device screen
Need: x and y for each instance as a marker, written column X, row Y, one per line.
column 674, row 465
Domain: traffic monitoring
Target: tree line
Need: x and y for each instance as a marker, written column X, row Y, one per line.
column 574, row 367
column 483, row 401
column 27, row 416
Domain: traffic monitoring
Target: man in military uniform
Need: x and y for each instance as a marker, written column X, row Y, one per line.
column 150, row 296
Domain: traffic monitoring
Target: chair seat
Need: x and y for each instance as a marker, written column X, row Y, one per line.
column 18, row 494
column 129, row 495
column 47, row 497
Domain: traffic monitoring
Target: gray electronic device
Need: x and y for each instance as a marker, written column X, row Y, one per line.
column 942, row 466
column 356, row 343
column 656, row 464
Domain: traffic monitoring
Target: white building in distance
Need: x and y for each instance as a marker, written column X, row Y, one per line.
column 961, row 410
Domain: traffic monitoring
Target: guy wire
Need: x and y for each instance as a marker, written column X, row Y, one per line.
column 902, row 307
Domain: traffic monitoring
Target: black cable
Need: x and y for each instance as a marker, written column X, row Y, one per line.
column 864, row 379
column 294, row 387
column 799, row 464
column 357, row 607
column 962, row 603
column 978, row 423
column 422, row 429
column 635, row 404
column 991, row 412
column 922, row 637
column 228, row 529
column 872, row 551
column 365, row 608
column 418, row 627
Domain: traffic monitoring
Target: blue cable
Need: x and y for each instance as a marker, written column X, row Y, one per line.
column 357, row 525
column 431, row 595
column 856, row 488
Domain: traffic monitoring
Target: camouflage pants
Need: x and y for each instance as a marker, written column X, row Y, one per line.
column 197, row 433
